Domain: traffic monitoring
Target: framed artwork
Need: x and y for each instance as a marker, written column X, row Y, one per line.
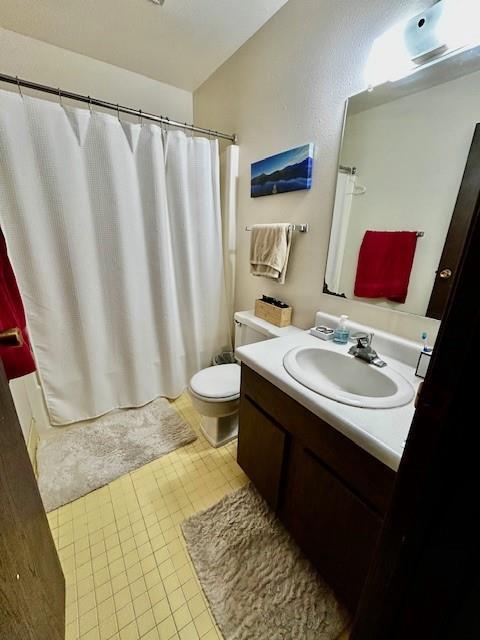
column 287, row 171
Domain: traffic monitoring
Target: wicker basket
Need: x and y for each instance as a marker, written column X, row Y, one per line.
column 275, row 315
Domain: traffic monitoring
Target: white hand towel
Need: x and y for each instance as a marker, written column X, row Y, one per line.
column 269, row 250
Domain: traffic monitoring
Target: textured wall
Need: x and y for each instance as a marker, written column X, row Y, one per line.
column 286, row 86
column 42, row 62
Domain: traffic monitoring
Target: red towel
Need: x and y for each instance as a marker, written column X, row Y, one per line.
column 384, row 264
column 18, row 361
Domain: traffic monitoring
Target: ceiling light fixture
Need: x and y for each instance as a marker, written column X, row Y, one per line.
column 160, row 2
column 448, row 26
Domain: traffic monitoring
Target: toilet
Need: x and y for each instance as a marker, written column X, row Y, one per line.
column 215, row 391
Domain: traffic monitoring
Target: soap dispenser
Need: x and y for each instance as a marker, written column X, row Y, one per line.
column 341, row 333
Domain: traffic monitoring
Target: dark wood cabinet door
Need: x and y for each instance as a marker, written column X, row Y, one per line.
column 261, row 447
column 462, row 217
column 32, row 586
column 335, row 529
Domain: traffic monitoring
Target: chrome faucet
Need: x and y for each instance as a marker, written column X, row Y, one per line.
column 363, row 350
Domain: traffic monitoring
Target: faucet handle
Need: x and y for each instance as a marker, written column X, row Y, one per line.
column 363, row 339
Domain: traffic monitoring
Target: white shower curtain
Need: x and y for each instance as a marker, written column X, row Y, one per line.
column 338, row 234
column 115, row 239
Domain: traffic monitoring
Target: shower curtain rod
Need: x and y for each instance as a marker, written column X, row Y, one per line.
column 19, row 82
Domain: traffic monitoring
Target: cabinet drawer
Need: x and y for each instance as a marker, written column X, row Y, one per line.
column 261, row 446
column 335, row 529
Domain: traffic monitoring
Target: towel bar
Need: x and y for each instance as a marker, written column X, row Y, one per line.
column 302, row 228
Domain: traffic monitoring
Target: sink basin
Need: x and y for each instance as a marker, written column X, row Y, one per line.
column 347, row 379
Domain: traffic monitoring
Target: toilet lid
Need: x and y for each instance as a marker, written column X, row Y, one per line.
column 221, row 381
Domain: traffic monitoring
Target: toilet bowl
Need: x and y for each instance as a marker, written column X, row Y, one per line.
column 215, row 394
column 215, row 390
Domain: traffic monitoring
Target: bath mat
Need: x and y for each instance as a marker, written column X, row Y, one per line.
column 92, row 454
column 258, row 582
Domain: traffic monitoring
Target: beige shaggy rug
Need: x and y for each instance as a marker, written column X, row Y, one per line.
column 92, row 454
column 259, row 584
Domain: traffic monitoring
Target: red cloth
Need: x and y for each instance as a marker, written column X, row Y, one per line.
column 384, row 264
column 18, row 361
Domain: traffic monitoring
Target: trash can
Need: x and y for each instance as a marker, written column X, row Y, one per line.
column 226, row 357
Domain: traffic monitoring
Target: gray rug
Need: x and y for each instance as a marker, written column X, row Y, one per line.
column 259, row 584
column 92, row 454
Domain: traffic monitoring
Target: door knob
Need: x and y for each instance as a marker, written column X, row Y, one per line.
column 11, row 338
column 445, row 274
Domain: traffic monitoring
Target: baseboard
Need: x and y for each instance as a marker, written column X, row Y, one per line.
column 32, row 444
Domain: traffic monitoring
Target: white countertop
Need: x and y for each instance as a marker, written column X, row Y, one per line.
column 381, row 432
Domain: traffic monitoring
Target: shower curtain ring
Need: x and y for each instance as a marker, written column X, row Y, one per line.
column 60, row 97
column 140, row 117
column 90, row 104
column 19, row 87
column 118, row 113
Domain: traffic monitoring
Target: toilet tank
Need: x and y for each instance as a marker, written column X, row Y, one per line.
column 250, row 329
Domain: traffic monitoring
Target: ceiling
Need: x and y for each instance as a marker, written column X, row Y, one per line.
column 181, row 43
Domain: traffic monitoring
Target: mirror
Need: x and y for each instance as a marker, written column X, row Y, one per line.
column 402, row 160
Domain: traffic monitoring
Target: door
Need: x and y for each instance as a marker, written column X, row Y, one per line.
column 333, row 526
column 457, row 232
column 260, row 451
column 32, row 586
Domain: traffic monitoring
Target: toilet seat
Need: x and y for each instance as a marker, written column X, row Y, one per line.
column 219, row 383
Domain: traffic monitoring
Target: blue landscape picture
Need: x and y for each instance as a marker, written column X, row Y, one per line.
column 287, row 171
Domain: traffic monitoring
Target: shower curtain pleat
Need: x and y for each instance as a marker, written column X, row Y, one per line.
column 117, row 249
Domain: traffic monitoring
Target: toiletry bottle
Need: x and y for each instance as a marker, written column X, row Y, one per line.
column 426, row 348
column 341, row 332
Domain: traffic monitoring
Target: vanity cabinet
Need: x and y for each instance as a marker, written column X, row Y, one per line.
column 329, row 493
column 261, row 450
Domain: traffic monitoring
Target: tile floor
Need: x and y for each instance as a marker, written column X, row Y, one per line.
column 127, row 572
